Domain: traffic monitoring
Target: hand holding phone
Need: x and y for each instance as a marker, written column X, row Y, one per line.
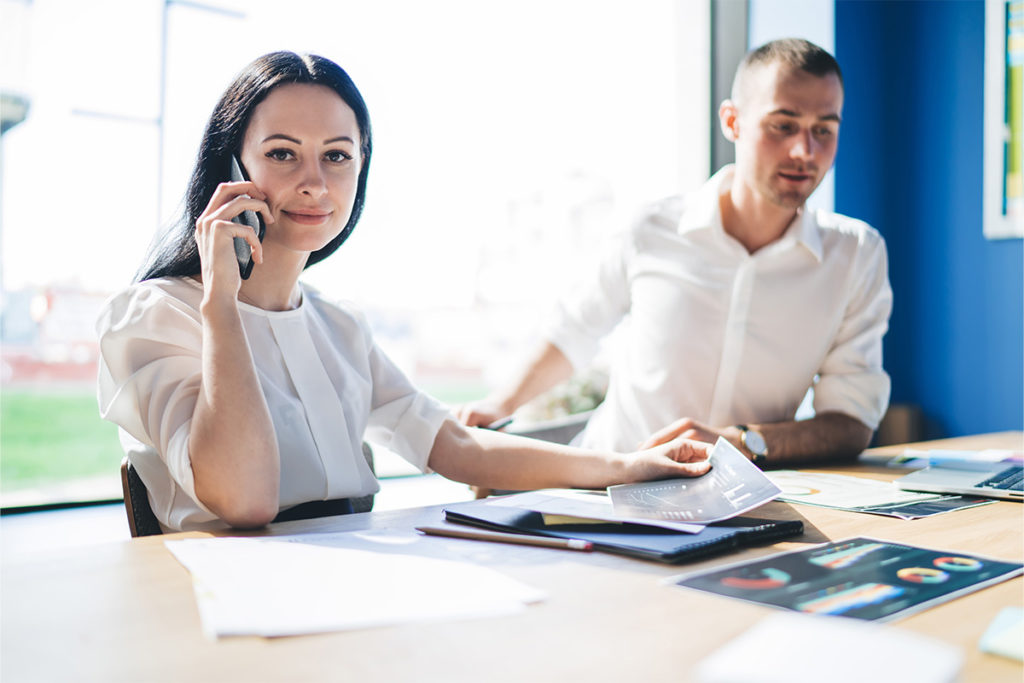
column 248, row 217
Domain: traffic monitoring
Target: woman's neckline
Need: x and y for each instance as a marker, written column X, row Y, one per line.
column 296, row 304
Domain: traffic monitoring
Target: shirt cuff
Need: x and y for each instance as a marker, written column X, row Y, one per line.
column 409, row 428
column 864, row 397
column 579, row 349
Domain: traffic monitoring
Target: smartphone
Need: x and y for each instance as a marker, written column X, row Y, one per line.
column 251, row 218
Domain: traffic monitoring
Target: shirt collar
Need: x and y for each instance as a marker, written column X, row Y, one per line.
column 704, row 213
column 702, row 209
column 805, row 228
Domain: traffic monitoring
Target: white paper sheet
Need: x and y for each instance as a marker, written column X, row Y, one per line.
column 794, row 648
column 733, row 486
column 264, row 587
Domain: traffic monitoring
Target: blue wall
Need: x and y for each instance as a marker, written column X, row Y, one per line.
column 910, row 163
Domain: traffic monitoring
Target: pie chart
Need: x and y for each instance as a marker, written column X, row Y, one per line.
column 957, row 564
column 769, row 578
column 922, row 575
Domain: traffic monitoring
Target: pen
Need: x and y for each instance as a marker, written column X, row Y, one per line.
column 498, row 424
column 499, row 537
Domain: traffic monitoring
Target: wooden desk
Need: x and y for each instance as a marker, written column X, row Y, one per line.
column 126, row 612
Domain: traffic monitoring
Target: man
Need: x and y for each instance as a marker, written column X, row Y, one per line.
column 738, row 298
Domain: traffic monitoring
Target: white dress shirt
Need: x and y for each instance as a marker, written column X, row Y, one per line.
column 324, row 380
column 725, row 337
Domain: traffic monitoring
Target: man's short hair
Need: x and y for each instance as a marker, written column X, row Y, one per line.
column 795, row 53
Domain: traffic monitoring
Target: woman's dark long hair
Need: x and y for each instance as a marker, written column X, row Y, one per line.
column 177, row 254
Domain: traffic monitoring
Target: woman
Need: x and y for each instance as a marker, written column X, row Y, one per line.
column 239, row 398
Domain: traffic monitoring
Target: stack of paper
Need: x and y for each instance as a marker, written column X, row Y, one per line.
column 269, row 588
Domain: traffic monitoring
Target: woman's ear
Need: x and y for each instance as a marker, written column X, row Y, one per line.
column 728, row 119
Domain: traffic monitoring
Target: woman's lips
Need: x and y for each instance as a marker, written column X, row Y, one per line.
column 308, row 217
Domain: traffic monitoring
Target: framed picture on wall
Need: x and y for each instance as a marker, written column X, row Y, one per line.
column 1004, row 119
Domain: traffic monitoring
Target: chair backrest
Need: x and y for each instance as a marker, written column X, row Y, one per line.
column 142, row 521
column 365, row 503
column 560, row 430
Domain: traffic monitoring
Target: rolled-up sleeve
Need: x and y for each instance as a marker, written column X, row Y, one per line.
column 402, row 418
column 150, row 372
column 593, row 307
column 852, row 380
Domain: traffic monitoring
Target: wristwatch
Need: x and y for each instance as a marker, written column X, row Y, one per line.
column 754, row 442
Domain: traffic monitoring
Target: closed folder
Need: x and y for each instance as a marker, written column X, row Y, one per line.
column 634, row 540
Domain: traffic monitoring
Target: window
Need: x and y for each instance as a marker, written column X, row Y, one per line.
column 510, row 138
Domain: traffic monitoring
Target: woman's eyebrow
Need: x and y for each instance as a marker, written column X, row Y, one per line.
column 282, row 136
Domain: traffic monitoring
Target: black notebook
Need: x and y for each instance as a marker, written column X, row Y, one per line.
column 635, row 540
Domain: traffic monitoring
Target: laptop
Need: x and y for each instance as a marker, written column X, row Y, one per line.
column 987, row 479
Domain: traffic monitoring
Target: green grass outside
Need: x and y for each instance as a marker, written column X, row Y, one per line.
column 454, row 393
column 52, row 438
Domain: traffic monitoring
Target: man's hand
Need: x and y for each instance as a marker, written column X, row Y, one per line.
column 689, row 428
column 546, row 368
column 826, row 437
column 481, row 413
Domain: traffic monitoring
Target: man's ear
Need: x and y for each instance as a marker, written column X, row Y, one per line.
column 728, row 119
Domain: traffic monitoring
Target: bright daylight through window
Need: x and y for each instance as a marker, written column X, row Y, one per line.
column 510, row 139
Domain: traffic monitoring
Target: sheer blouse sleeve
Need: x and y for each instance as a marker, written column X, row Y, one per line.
column 149, row 372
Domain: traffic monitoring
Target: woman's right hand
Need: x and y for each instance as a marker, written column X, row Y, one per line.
column 237, row 472
column 215, row 233
column 674, row 459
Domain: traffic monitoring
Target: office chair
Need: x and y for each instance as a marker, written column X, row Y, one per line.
column 142, row 521
column 561, row 430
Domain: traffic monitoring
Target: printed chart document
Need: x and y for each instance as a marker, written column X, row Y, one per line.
column 262, row 587
column 858, row 494
column 733, row 486
column 862, row 578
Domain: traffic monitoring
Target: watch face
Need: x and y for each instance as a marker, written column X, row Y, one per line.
column 755, row 442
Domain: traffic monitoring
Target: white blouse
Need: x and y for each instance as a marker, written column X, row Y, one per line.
column 326, row 383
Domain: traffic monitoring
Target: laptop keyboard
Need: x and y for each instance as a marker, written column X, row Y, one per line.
column 1011, row 479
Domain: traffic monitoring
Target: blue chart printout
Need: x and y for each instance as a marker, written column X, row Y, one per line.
column 861, row 578
column 733, row 486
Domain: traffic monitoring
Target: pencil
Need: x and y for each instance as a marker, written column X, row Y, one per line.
column 499, row 537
